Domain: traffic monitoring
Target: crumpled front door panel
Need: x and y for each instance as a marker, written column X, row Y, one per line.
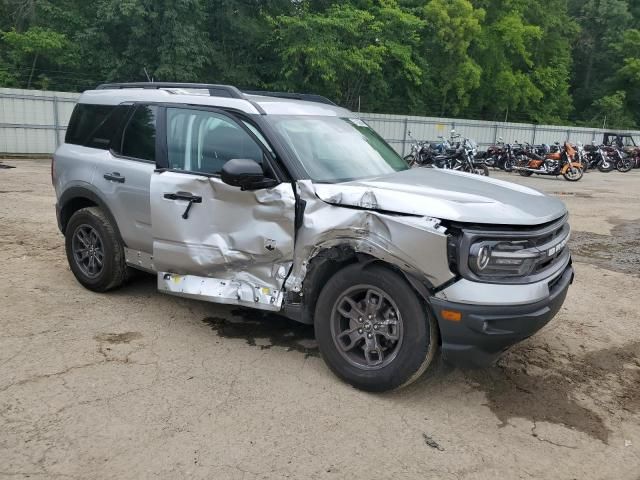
column 235, row 246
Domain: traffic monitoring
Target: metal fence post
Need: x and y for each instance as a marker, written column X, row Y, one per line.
column 404, row 136
column 56, row 121
column 535, row 133
column 495, row 134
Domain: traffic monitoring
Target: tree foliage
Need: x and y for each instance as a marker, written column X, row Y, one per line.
column 551, row 61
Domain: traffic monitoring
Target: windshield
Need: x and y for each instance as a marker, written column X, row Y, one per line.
column 333, row 149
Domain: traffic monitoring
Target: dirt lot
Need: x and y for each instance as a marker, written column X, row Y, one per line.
column 134, row 384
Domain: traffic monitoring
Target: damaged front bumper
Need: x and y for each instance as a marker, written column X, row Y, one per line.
column 478, row 336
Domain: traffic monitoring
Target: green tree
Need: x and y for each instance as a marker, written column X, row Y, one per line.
column 452, row 74
column 602, row 23
column 33, row 44
column 347, row 52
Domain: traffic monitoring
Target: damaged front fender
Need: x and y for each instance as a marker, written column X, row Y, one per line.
column 414, row 244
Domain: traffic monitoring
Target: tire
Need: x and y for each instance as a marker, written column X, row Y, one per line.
column 508, row 165
column 624, row 165
column 417, row 331
column 525, row 173
column 481, row 170
column 410, row 159
column 577, row 176
column 606, row 170
column 113, row 272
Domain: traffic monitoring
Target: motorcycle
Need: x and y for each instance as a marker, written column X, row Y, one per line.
column 607, row 158
column 557, row 163
column 463, row 157
column 422, row 152
column 499, row 156
column 581, row 156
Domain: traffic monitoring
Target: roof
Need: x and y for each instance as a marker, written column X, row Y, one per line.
column 265, row 103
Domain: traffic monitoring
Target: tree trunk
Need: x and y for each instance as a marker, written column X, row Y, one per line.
column 33, row 67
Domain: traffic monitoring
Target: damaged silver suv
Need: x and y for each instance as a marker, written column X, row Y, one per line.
column 288, row 203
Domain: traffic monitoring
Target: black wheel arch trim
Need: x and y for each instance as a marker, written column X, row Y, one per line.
column 86, row 193
column 301, row 309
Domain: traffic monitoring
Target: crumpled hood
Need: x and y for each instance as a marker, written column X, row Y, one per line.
column 447, row 195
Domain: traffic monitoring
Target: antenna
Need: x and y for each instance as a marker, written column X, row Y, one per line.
column 149, row 79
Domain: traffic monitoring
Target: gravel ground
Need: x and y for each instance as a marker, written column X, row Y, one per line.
column 134, row 384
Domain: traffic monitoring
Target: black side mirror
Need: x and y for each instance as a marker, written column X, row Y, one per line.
column 246, row 174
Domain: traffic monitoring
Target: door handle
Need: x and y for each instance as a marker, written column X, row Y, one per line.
column 186, row 196
column 114, row 177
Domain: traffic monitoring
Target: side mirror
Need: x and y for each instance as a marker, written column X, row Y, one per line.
column 246, row 174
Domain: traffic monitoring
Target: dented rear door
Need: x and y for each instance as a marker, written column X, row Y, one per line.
column 212, row 241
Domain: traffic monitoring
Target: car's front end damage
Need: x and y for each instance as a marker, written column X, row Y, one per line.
column 490, row 283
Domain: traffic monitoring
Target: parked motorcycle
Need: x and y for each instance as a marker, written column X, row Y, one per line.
column 557, row 163
column 500, row 156
column 607, row 158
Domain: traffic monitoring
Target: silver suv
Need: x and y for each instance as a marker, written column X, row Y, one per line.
column 288, row 203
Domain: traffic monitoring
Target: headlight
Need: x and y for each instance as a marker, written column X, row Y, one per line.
column 509, row 258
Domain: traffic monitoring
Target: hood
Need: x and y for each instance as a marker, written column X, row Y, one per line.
column 447, row 195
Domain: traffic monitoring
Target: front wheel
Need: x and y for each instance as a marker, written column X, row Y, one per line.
column 624, row 165
column 585, row 165
column 410, row 159
column 372, row 329
column 508, row 165
column 573, row 174
column 606, row 167
column 481, row 169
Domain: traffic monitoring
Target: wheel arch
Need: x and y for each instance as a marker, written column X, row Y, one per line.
column 330, row 260
column 78, row 197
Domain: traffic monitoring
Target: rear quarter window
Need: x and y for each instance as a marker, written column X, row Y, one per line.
column 94, row 126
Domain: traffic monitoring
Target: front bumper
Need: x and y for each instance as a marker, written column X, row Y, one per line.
column 485, row 331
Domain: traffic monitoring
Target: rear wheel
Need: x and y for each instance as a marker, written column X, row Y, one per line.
column 525, row 173
column 373, row 330
column 94, row 250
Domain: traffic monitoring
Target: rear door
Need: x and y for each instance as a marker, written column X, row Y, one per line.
column 124, row 178
column 212, row 241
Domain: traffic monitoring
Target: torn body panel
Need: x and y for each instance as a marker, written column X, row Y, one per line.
column 234, row 246
column 414, row 244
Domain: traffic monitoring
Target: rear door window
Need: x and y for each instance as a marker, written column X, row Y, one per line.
column 94, row 126
column 139, row 137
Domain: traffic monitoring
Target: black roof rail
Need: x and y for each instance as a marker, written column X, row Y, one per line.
column 228, row 91
column 309, row 97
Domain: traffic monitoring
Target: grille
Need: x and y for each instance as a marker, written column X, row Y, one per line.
column 546, row 251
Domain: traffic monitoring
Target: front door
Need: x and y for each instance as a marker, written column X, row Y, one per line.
column 212, row 241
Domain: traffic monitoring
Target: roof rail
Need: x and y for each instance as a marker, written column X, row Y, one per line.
column 309, row 97
column 228, row 91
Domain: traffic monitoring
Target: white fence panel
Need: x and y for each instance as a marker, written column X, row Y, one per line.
column 35, row 122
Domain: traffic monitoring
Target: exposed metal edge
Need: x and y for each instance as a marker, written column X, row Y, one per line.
column 230, row 292
column 140, row 260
